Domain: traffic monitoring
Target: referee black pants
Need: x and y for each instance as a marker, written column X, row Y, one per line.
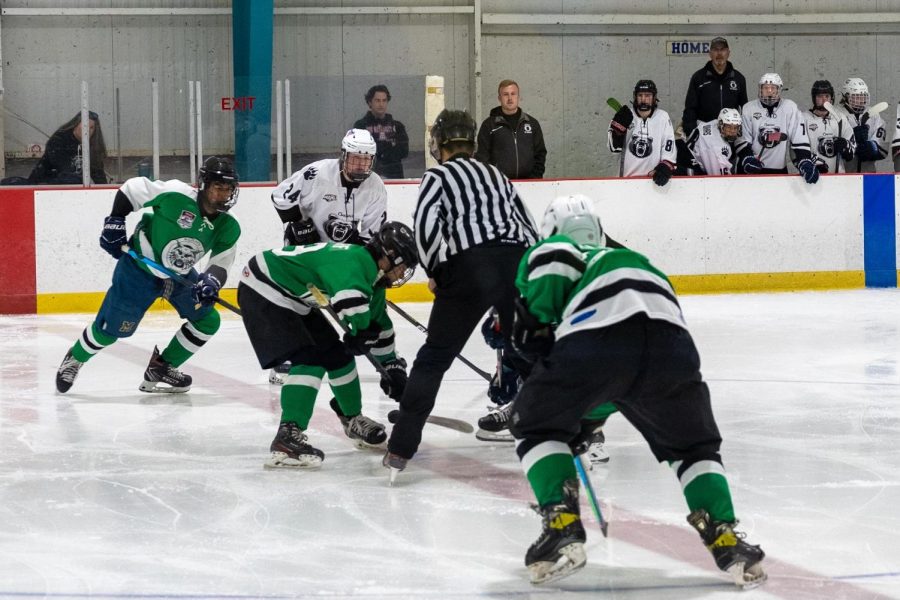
column 468, row 284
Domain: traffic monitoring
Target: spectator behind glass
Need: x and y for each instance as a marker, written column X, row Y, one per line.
column 511, row 139
column 61, row 162
column 390, row 135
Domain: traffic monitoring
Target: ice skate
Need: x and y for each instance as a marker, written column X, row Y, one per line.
column 559, row 551
column 279, row 374
column 731, row 553
column 365, row 432
column 596, row 452
column 395, row 463
column 290, row 450
column 67, row 372
column 161, row 377
column 494, row 426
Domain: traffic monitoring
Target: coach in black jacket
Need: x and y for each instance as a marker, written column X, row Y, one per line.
column 511, row 139
column 714, row 87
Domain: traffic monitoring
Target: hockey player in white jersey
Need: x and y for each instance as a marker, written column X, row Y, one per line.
column 830, row 140
column 895, row 145
column 772, row 126
column 714, row 145
column 868, row 131
column 333, row 200
column 644, row 135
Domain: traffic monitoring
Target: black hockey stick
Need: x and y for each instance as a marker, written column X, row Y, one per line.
column 176, row 277
column 423, row 329
column 323, row 303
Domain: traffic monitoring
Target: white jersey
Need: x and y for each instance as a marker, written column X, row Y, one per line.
column 647, row 143
column 821, row 132
column 877, row 134
column 710, row 150
column 895, row 145
column 771, row 132
column 317, row 190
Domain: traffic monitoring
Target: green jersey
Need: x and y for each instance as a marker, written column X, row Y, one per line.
column 344, row 273
column 577, row 287
column 175, row 233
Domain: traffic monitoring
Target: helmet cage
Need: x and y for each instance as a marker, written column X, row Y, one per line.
column 358, row 142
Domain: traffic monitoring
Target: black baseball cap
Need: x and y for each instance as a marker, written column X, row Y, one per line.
column 718, row 40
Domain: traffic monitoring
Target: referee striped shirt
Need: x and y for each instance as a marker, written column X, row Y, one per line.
column 465, row 203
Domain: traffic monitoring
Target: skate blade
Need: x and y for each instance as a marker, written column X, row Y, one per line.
column 753, row 577
column 493, row 436
column 360, row 444
column 280, row 460
column 156, row 387
column 573, row 558
column 394, row 471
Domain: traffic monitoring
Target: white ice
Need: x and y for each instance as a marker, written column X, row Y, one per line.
column 114, row 493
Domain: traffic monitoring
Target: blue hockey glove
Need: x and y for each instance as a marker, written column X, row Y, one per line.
column 751, row 165
column 113, row 237
column 505, row 390
column 809, row 171
column 490, row 329
column 861, row 133
column 206, row 290
column 395, row 382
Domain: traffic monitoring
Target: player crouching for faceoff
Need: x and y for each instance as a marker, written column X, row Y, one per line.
column 285, row 325
column 648, row 144
column 183, row 226
column 614, row 314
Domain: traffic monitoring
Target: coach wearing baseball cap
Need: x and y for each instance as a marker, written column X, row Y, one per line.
column 716, row 86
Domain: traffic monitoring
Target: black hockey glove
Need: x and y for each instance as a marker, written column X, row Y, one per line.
column 622, row 120
column 395, row 382
column 206, row 290
column 861, row 133
column 363, row 341
column 582, row 441
column 662, row 173
column 751, row 165
column 505, row 389
column 112, row 238
column 868, row 150
column 301, row 233
column 842, row 148
column 490, row 329
column 530, row 338
column 809, row 171
column 342, row 232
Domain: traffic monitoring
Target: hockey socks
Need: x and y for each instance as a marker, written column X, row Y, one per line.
column 190, row 338
column 705, row 486
column 91, row 342
column 298, row 394
column 547, row 465
column 344, row 384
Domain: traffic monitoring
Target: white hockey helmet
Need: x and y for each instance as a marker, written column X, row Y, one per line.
column 855, row 94
column 730, row 117
column 358, row 142
column 770, row 100
column 572, row 216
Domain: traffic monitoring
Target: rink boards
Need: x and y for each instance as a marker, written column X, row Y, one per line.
column 710, row 234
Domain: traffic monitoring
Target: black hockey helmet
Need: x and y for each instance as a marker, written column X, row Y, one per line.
column 452, row 127
column 220, row 169
column 644, row 85
column 822, row 86
column 395, row 241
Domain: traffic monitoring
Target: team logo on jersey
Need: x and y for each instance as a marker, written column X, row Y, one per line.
column 813, row 126
column 726, row 151
column 732, row 85
column 310, row 173
column 181, row 254
column 186, row 220
column 329, row 197
column 826, row 146
column 641, row 146
column 527, row 128
column 770, row 136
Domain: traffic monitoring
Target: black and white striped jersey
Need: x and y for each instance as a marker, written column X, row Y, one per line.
column 464, row 203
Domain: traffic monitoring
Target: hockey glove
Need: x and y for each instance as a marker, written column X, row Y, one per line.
column 582, row 441
column 363, row 341
column 530, row 338
column 662, row 173
column 842, row 147
column 809, row 171
column 395, row 382
column 751, row 165
column 112, row 238
column 505, row 390
column 868, row 150
column 490, row 329
column 301, row 233
column 622, row 120
column 861, row 134
column 342, row 232
column 206, row 290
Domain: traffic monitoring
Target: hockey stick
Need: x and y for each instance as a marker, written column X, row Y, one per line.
column 176, row 277
column 323, row 303
column 614, row 104
column 424, row 330
column 875, row 109
column 592, row 496
column 837, row 117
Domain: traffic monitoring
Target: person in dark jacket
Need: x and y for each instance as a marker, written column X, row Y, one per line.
column 511, row 139
column 716, row 86
column 390, row 135
column 61, row 162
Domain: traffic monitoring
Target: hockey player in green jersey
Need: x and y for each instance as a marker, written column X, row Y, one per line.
column 284, row 325
column 604, row 325
column 183, row 225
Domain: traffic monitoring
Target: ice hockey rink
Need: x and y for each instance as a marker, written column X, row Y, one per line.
column 112, row 493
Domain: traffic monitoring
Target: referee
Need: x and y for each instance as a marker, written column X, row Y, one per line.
column 471, row 230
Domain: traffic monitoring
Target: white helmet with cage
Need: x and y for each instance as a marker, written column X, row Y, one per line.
column 358, row 142
column 572, row 216
column 855, row 94
column 770, row 99
column 732, row 118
